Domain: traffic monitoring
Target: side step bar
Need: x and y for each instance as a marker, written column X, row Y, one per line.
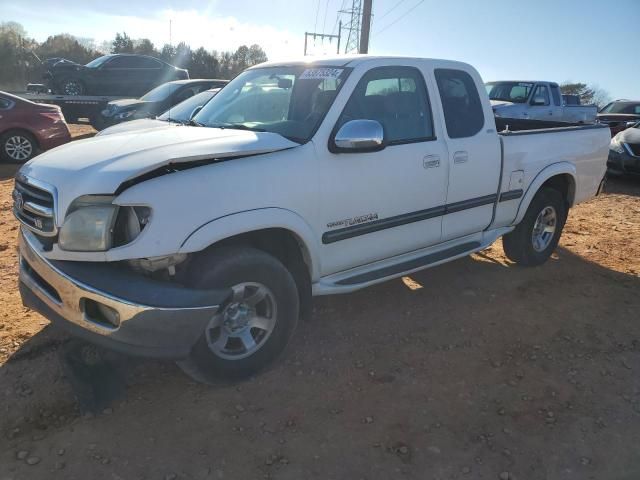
column 409, row 264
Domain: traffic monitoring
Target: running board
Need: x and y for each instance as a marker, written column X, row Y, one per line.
column 409, row 265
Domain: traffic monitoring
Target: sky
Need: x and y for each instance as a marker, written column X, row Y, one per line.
column 591, row 41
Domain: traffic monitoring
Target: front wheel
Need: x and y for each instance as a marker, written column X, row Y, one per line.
column 537, row 235
column 256, row 324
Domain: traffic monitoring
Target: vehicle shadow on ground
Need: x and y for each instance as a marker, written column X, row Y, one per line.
column 8, row 170
column 96, row 378
column 626, row 185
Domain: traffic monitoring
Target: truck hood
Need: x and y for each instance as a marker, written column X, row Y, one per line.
column 133, row 125
column 124, row 103
column 101, row 164
column 630, row 135
column 617, row 117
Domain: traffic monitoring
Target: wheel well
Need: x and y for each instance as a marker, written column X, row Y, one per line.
column 563, row 183
column 287, row 247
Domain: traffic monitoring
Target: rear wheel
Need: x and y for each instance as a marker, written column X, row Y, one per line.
column 17, row 146
column 537, row 235
column 257, row 323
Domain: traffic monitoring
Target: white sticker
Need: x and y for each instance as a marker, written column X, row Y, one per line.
column 320, row 73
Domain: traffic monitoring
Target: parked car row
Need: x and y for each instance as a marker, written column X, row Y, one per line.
column 28, row 128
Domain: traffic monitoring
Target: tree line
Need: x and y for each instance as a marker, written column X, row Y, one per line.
column 20, row 55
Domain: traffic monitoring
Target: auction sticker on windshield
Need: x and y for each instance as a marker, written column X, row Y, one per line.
column 321, row 73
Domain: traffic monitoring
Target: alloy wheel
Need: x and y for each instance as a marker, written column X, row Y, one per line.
column 544, row 228
column 18, row 148
column 245, row 324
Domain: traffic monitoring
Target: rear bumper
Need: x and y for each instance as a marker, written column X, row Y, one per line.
column 146, row 317
column 54, row 136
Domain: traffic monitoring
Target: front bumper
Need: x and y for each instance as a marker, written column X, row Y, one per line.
column 623, row 163
column 146, row 317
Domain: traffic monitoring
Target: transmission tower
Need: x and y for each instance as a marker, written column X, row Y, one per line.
column 354, row 26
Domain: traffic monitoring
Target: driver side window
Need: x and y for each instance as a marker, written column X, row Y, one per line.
column 397, row 98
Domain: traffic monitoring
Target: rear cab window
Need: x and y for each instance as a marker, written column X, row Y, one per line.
column 541, row 92
column 463, row 113
column 397, row 98
column 555, row 93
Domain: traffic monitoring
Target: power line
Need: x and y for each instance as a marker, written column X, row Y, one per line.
column 315, row 24
column 333, row 30
column 400, row 17
column 390, row 10
column 324, row 22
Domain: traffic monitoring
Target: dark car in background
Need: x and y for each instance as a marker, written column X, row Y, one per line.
column 156, row 101
column 115, row 74
column 181, row 114
column 619, row 115
column 26, row 128
column 624, row 152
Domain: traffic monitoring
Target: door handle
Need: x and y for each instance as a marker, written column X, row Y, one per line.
column 460, row 157
column 431, row 161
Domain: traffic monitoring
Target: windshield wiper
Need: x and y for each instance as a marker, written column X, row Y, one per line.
column 193, row 123
column 236, row 126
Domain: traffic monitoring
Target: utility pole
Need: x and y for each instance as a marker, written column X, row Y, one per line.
column 366, row 26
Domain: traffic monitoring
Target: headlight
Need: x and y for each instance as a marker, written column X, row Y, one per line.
column 88, row 225
column 127, row 114
column 616, row 145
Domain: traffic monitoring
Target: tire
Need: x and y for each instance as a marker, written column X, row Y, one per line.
column 224, row 354
column 526, row 247
column 72, row 86
column 17, row 146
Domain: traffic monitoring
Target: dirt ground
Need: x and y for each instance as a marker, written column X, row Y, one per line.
column 476, row 369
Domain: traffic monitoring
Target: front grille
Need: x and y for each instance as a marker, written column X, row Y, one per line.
column 635, row 148
column 34, row 205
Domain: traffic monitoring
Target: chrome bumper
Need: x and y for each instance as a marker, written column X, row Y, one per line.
column 143, row 317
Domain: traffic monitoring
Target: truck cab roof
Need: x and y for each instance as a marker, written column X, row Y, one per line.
column 354, row 61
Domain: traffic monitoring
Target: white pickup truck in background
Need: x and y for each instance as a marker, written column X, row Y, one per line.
column 205, row 242
column 535, row 100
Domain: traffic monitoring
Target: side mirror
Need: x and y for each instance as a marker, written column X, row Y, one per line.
column 538, row 101
column 195, row 111
column 359, row 136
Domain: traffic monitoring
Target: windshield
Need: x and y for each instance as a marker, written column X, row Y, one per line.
column 98, row 61
column 290, row 101
column 516, row 92
column 160, row 93
column 622, row 107
column 181, row 113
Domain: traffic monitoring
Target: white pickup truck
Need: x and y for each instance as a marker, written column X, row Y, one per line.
column 536, row 100
column 205, row 242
